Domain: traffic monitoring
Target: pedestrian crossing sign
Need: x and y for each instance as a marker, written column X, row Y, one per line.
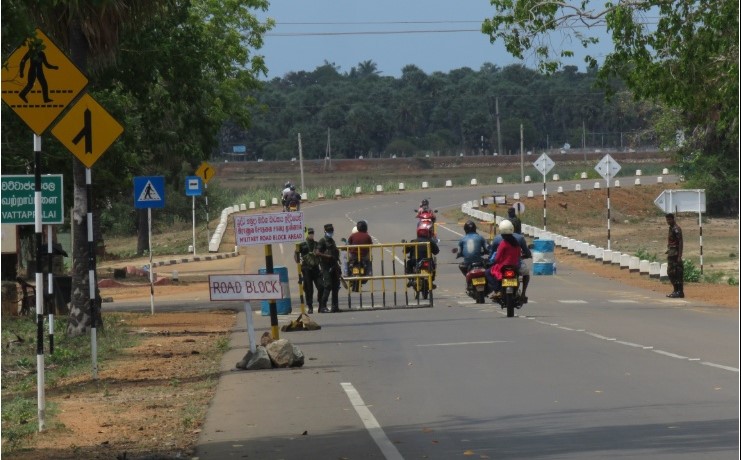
column 149, row 192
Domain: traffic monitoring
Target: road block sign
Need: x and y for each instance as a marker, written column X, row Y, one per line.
column 278, row 227
column 681, row 201
column 607, row 167
column 245, row 287
column 205, row 171
column 40, row 81
column 544, row 164
column 149, row 192
column 87, row 130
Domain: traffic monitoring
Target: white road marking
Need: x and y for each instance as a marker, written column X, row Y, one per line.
column 728, row 368
column 623, row 301
column 462, row 343
column 671, row 355
column 371, row 424
column 572, row 301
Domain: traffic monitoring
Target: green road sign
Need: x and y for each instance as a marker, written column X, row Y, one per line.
column 18, row 200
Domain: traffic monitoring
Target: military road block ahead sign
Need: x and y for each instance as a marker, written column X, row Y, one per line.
column 18, row 199
column 87, row 130
column 39, row 82
column 245, row 287
column 278, row 227
column 149, row 192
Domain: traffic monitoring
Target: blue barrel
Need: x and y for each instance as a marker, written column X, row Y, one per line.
column 284, row 304
column 544, row 259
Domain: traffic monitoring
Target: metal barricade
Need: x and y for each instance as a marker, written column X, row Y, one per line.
column 384, row 282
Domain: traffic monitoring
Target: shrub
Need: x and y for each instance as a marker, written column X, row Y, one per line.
column 691, row 272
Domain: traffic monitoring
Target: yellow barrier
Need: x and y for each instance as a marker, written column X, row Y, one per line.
column 385, row 281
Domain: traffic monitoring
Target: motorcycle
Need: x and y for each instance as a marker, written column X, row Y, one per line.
column 356, row 267
column 476, row 286
column 293, row 206
column 421, row 284
column 426, row 218
column 511, row 297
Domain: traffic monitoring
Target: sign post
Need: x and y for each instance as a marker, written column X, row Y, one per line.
column 265, row 229
column 246, row 288
column 544, row 164
column 607, row 168
column 59, row 83
column 193, row 188
column 149, row 192
column 206, row 172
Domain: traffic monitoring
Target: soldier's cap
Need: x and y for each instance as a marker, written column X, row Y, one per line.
column 328, row 228
column 309, row 230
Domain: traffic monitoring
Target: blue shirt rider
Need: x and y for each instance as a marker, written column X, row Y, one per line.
column 472, row 247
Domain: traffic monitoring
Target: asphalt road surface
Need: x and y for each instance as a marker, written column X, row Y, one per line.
column 588, row 369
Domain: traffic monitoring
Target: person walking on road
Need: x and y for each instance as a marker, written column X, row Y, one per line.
column 675, row 265
column 310, row 273
column 329, row 262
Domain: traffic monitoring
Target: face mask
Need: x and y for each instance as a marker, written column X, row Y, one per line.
column 329, row 234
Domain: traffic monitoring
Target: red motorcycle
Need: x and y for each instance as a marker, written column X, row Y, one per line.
column 426, row 219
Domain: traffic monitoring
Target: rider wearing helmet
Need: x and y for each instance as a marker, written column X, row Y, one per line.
column 284, row 195
column 360, row 237
column 507, row 253
column 416, row 252
column 293, row 197
column 525, row 261
column 472, row 247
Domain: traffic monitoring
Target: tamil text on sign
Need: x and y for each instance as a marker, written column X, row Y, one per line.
column 279, row 227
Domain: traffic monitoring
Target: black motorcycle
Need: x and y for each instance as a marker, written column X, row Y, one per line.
column 511, row 293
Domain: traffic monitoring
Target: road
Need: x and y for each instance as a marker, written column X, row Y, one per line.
column 588, row 369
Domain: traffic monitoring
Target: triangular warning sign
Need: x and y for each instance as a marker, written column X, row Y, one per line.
column 149, row 193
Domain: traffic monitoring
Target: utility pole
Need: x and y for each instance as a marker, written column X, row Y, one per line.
column 522, row 156
column 499, row 132
column 583, row 139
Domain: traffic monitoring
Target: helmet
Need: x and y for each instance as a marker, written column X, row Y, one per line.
column 293, row 188
column 287, row 184
column 425, row 202
column 469, row 227
column 362, row 226
column 506, row 227
column 423, row 232
column 354, row 230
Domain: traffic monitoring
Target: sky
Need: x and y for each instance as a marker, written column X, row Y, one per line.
column 347, row 32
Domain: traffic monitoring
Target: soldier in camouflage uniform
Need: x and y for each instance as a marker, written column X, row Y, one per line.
column 675, row 266
column 329, row 262
column 310, row 273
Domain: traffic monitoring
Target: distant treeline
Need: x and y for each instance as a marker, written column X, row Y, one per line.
column 362, row 113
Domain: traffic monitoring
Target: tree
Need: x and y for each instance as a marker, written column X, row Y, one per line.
column 687, row 61
column 211, row 43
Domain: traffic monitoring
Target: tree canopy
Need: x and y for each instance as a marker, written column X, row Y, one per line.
column 681, row 54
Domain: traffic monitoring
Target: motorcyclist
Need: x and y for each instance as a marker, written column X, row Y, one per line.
column 293, row 196
column 525, row 260
column 472, row 247
column 424, row 211
column 284, row 195
column 360, row 237
column 516, row 222
column 416, row 252
column 508, row 252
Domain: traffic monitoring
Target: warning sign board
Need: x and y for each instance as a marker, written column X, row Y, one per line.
column 149, row 192
column 87, row 130
column 245, row 287
column 205, row 171
column 278, row 227
column 40, row 81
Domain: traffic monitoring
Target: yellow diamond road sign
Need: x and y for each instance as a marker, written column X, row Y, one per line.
column 205, row 172
column 87, row 130
column 39, row 82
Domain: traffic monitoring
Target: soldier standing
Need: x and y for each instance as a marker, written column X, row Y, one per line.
column 310, row 272
column 329, row 262
column 675, row 266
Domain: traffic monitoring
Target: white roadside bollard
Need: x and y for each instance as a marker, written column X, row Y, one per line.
column 644, row 267
column 500, row 180
column 242, row 207
column 274, row 201
column 474, row 182
column 337, row 193
column 596, row 186
column 379, row 188
column 638, row 181
column 665, row 171
column 527, row 179
column 358, row 190
column 607, row 256
column 617, row 183
column 304, row 196
column 401, row 186
column 448, row 183
column 659, row 180
column 556, row 178
column 583, row 175
column 425, row 185
column 654, row 270
column 560, row 189
column 252, row 205
column 530, row 194
column 664, row 272
column 577, row 187
column 624, row 261
column 516, row 196
column 616, row 257
column 634, row 265
column 263, row 203
column 639, row 172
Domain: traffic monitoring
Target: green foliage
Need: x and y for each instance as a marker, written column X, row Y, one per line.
column 692, row 272
column 732, row 281
column 643, row 254
column 686, row 61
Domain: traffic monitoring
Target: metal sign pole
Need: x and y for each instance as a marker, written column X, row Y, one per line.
column 151, row 269
column 271, row 303
column 545, row 195
column 193, row 206
column 40, row 377
column 250, row 327
column 91, row 274
column 608, row 212
column 50, row 281
column 699, row 217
